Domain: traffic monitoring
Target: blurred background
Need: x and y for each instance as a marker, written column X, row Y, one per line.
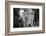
column 2, row 17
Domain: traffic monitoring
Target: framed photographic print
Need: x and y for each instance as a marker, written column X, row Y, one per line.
column 24, row 18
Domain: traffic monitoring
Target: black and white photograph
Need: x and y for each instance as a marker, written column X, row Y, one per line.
column 25, row 17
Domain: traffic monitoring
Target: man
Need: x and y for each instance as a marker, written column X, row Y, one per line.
column 27, row 16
